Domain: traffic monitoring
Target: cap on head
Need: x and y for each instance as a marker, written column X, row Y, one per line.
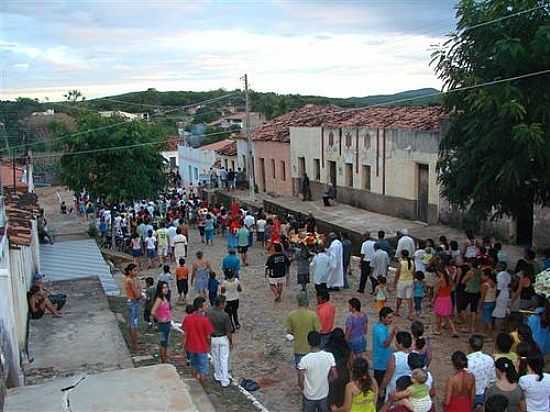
column 404, row 232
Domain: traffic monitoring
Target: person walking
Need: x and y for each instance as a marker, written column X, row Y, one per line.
column 276, row 269
column 243, row 240
column 506, row 385
column 231, row 289
column 180, row 245
column 162, row 312
column 231, row 264
column 326, row 312
column 200, row 272
column 197, row 330
column 346, row 256
column 336, row 267
column 315, row 370
column 380, row 262
column 536, row 385
column 221, row 340
column 299, row 323
column 398, row 363
column 367, row 255
column 320, row 269
column 362, row 391
column 357, row 325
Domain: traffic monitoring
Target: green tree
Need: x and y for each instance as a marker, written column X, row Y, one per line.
column 495, row 155
column 95, row 161
column 74, row 96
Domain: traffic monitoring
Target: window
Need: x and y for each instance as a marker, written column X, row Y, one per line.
column 226, row 164
column 244, row 162
column 301, row 166
column 331, row 139
column 366, row 141
column 317, row 169
column 196, row 173
column 273, row 169
column 283, row 171
column 233, row 165
column 366, row 177
column 190, row 173
column 348, row 139
column 349, row 174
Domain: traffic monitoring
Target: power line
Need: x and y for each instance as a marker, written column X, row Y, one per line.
column 106, row 149
column 121, row 123
column 424, row 96
column 485, row 84
column 519, row 13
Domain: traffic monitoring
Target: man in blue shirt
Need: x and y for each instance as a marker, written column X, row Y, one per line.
column 382, row 336
column 231, row 262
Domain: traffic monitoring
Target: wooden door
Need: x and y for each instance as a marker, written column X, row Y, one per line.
column 423, row 190
column 332, row 173
column 262, row 174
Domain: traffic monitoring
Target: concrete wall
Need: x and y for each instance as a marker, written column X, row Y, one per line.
column 279, row 153
column 392, row 155
column 196, row 158
column 541, row 228
column 17, row 266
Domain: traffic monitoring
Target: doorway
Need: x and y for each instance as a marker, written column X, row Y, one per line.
column 301, row 166
column 423, row 190
column 332, row 173
column 262, row 174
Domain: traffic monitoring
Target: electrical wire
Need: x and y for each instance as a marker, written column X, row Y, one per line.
column 120, row 123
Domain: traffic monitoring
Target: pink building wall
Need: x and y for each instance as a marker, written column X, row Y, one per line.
column 277, row 154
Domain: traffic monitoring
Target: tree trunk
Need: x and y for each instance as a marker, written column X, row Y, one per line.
column 524, row 224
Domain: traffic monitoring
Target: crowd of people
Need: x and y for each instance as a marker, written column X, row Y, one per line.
column 469, row 288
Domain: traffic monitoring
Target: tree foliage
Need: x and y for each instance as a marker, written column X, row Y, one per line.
column 135, row 171
column 74, row 96
column 495, row 155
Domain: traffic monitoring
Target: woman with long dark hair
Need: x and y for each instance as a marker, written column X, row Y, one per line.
column 460, row 388
column 162, row 311
column 361, row 391
column 536, row 385
column 443, row 306
column 507, row 385
column 338, row 346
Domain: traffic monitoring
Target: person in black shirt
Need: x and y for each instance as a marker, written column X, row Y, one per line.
column 311, row 224
column 276, row 270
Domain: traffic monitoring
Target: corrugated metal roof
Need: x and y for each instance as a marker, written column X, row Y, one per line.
column 77, row 259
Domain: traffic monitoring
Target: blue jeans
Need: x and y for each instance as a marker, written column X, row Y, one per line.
column 320, row 405
column 164, row 330
column 133, row 313
column 418, row 304
column 199, row 362
column 297, row 358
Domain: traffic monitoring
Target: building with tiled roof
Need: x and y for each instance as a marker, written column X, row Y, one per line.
column 379, row 158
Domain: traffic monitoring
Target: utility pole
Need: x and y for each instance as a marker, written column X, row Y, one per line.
column 250, row 160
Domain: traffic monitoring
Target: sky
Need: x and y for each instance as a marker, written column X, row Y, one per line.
column 339, row 48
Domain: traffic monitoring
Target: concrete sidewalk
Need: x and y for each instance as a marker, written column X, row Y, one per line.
column 359, row 221
column 86, row 339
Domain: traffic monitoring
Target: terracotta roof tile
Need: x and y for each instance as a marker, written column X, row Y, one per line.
column 405, row 117
column 229, row 149
column 217, row 145
column 21, row 208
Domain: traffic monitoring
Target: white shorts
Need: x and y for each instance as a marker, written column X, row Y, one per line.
column 405, row 289
column 163, row 251
column 277, row 281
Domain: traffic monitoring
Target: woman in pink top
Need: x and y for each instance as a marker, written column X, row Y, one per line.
column 162, row 311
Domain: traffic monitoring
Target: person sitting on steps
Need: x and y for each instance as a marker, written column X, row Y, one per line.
column 329, row 194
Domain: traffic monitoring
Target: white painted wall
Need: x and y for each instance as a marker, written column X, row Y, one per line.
column 168, row 154
column 405, row 149
column 17, row 267
column 194, row 163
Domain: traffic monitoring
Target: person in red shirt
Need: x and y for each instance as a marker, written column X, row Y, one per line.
column 326, row 312
column 197, row 330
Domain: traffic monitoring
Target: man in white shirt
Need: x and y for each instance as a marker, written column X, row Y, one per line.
column 172, row 232
column 482, row 366
column 405, row 243
column 314, row 370
column 367, row 254
column 379, row 262
column 249, row 222
column 319, row 269
column 260, row 228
